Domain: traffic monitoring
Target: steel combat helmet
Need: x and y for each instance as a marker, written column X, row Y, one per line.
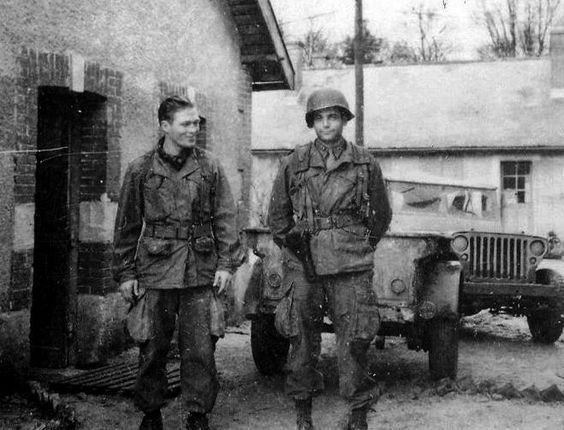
column 326, row 98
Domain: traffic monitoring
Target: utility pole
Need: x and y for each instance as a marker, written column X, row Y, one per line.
column 359, row 73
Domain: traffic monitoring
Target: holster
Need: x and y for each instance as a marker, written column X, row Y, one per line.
column 298, row 241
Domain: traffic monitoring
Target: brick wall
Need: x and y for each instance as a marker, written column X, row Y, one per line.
column 19, row 293
column 94, row 268
column 35, row 69
column 107, row 83
column 97, row 134
column 93, row 151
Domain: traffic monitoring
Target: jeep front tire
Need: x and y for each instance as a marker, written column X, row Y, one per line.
column 443, row 348
column 269, row 348
column 545, row 326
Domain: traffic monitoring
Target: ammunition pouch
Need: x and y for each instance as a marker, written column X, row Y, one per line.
column 202, row 238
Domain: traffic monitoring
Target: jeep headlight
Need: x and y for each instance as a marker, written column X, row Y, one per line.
column 537, row 247
column 459, row 244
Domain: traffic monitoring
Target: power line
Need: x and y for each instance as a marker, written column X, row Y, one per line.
column 308, row 18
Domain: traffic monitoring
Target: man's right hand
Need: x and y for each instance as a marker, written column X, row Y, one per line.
column 129, row 290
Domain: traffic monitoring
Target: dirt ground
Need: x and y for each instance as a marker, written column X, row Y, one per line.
column 494, row 351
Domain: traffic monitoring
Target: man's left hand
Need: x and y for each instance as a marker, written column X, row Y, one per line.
column 222, row 279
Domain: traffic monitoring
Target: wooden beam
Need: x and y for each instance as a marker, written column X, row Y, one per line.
column 257, row 39
column 276, row 36
column 247, row 19
column 245, row 29
column 246, row 9
column 257, row 50
column 253, row 58
column 240, row 2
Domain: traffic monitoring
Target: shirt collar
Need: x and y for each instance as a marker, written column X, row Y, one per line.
column 337, row 149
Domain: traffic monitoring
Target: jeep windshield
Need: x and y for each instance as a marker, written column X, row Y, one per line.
column 438, row 205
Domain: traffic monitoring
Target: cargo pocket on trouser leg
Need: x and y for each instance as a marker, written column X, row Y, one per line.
column 366, row 319
column 286, row 316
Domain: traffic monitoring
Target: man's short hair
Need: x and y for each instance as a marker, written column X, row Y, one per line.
column 171, row 105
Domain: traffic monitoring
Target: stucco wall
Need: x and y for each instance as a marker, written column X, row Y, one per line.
column 502, row 103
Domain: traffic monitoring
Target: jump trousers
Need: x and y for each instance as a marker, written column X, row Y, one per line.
column 198, row 373
column 353, row 310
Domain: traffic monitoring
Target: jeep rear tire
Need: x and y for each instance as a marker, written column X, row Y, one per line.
column 545, row 326
column 443, row 348
column 269, row 348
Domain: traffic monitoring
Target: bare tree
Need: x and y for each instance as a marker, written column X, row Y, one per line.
column 545, row 15
column 432, row 46
column 315, row 43
column 517, row 26
column 501, row 25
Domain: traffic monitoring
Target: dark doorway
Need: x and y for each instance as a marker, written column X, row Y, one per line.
column 62, row 116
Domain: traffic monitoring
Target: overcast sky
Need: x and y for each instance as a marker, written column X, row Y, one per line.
column 391, row 19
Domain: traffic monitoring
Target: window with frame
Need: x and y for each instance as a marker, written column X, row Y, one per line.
column 516, row 181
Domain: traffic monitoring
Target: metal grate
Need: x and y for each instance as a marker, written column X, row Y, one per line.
column 113, row 379
column 498, row 257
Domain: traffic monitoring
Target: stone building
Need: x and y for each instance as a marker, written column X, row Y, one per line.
column 80, row 84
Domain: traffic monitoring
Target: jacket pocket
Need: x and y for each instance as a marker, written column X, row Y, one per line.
column 157, row 247
column 160, row 263
column 286, row 316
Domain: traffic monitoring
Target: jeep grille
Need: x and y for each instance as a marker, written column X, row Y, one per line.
column 498, row 257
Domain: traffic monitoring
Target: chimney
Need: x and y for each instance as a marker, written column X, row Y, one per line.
column 296, row 53
column 557, row 61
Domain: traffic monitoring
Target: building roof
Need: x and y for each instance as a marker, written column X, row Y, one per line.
column 262, row 48
column 455, row 107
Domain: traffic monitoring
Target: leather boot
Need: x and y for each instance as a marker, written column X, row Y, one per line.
column 197, row 421
column 357, row 419
column 303, row 414
column 152, row 421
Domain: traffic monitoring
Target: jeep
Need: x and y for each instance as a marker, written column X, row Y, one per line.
column 444, row 257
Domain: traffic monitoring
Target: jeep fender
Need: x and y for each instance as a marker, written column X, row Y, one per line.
column 552, row 272
column 247, row 285
column 439, row 291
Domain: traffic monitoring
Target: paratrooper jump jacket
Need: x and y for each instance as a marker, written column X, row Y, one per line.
column 174, row 229
column 344, row 204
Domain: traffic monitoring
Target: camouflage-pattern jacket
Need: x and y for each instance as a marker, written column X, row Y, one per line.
column 343, row 203
column 160, row 213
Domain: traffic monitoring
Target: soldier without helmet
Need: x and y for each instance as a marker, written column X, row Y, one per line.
column 175, row 240
column 333, row 190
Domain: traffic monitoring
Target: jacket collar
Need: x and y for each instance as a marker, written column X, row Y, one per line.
column 162, row 168
column 309, row 156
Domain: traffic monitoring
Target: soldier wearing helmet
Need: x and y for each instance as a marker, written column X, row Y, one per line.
column 329, row 193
